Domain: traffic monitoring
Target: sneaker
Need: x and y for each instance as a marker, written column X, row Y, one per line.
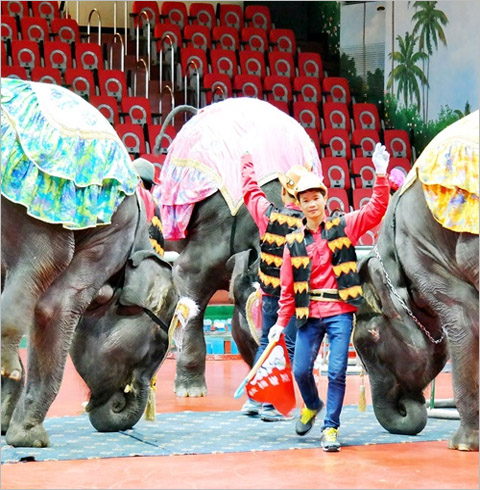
column 305, row 422
column 251, row 407
column 269, row 413
column 329, row 441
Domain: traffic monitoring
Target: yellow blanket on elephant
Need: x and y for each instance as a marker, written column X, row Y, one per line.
column 448, row 169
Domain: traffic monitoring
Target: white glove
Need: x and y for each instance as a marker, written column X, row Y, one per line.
column 380, row 159
column 275, row 332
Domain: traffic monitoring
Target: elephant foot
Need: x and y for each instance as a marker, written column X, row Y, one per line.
column 35, row 436
column 464, row 440
column 11, row 365
column 193, row 388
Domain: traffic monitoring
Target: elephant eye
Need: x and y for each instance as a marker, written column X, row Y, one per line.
column 134, row 310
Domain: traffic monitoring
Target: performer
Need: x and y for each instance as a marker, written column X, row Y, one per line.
column 320, row 284
column 273, row 225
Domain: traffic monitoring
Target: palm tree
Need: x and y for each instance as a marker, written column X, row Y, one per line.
column 407, row 73
column 429, row 21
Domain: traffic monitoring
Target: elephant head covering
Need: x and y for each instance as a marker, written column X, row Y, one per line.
column 205, row 156
column 61, row 158
column 448, row 169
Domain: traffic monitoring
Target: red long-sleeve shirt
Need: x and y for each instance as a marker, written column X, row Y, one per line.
column 322, row 275
column 255, row 199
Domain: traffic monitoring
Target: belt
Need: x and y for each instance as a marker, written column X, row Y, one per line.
column 324, row 295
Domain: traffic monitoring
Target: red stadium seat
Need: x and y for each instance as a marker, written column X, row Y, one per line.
column 225, row 37
column 402, row 164
column 277, row 88
column 66, row 30
column 280, row 104
column 34, row 29
column 365, row 116
column 165, row 36
column 193, row 59
column 258, row 16
column 363, row 172
column 336, row 89
column 248, row 86
column 89, row 56
column 336, row 116
column 108, row 106
column 224, row 61
column 216, row 87
column 150, row 8
column 175, row 13
column 14, row 72
column 336, row 172
column 307, row 89
column 46, row 75
column 197, row 37
column 397, row 143
column 281, row 64
column 25, row 54
column 306, row 113
column 253, row 63
column 9, row 28
column 370, row 237
column 231, row 15
column 4, row 56
column 81, row 82
column 310, row 65
column 15, row 9
column 113, row 82
column 337, row 199
column 361, row 197
column 254, row 39
column 336, row 143
column 58, row 55
column 203, row 14
column 132, row 137
column 283, row 40
column 136, row 110
column 313, row 134
column 364, row 141
column 157, row 146
column 47, row 10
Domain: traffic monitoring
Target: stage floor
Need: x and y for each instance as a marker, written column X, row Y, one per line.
column 411, row 465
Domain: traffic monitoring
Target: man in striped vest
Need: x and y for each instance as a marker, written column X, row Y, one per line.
column 273, row 225
column 321, row 286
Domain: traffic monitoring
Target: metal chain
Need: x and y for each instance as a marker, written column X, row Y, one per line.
column 404, row 305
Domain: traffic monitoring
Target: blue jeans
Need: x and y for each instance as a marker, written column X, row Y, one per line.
column 309, row 338
column 269, row 318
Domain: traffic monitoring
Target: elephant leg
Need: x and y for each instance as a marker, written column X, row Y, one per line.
column 11, row 392
column 56, row 315
column 198, row 278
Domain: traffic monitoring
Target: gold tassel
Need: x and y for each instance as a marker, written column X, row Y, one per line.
column 362, row 401
column 150, row 410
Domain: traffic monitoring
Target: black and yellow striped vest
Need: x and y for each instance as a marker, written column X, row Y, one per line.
column 281, row 223
column 344, row 263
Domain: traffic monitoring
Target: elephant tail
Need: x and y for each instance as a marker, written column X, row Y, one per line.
column 168, row 119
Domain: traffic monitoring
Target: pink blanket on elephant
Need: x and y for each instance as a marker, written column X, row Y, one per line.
column 205, row 157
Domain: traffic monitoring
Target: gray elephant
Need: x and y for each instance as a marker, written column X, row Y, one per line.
column 79, row 278
column 422, row 282
column 205, row 220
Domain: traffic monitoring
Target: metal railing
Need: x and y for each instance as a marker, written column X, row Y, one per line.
column 143, row 13
column 185, row 78
column 168, row 38
column 147, row 77
column 122, row 51
column 99, row 25
column 172, row 98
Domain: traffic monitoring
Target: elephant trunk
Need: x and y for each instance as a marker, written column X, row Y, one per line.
column 396, row 411
column 122, row 410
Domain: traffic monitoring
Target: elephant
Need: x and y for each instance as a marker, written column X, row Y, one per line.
column 220, row 245
column 98, row 291
column 421, row 287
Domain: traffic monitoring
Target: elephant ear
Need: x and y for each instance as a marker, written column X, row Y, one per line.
column 148, row 280
column 375, row 290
